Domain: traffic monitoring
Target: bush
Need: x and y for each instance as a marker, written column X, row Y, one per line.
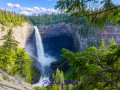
column 37, row 88
column 3, row 28
column 5, row 76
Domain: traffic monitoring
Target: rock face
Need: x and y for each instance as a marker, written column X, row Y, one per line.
column 8, row 82
column 21, row 33
column 55, row 38
column 60, row 33
column 94, row 38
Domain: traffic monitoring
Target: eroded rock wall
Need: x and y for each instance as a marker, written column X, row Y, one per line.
column 81, row 42
column 21, row 33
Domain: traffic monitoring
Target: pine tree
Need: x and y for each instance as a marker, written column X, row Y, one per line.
column 43, row 88
column 8, row 51
column 13, row 59
column 112, row 42
column 9, row 40
column 57, row 78
column 103, row 47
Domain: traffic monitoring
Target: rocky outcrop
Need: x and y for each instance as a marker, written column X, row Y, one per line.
column 95, row 35
column 55, row 38
column 21, row 33
column 8, row 82
column 80, row 42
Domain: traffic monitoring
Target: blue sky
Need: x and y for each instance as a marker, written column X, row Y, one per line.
column 29, row 3
column 28, row 7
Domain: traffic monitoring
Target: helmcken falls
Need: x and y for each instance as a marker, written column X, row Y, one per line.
column 42, row 59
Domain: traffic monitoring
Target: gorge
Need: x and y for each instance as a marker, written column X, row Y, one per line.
column 54, row 39
column 75, row 46
column 52, row 46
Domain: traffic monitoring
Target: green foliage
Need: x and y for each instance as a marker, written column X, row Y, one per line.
column 112, row 42
column 22, row 65
column 37, row 88
column 15, row 60
column 58, row 76
column 85, row 30
column 25, row 88
column 40, row 88
column 5, row 76
column 43, row 88
column 103, row 47
column 95, row 68
column 10, row 41
column 35, row 74
column 96, row 15
column 48, row 19
column 94, row 43
column 3, row 28
column 57, row 79
column 10, row 18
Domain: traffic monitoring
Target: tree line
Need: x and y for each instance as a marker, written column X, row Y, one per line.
column 94, row 69
column 8, row 18
column 15, row 60
column 53, row 18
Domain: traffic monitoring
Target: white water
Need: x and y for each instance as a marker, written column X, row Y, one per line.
column 40, row 50
column 42, row 59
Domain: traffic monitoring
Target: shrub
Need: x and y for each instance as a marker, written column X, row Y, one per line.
column 5, row 76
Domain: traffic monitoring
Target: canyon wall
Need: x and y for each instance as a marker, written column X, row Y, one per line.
column 21, row 33
column 55, row 38
column 80, row 42
column 94, row 38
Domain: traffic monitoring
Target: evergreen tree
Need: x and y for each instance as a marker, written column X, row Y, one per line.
column 95, row 69
column 43, row 88
column 58, row 79
column 13, row 59
column 103, row 47
column 96, row 16
column 9, row 40
column 10, row 18
column 112, row 42
column 7, row 51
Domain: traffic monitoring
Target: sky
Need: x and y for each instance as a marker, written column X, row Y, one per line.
column 29, row 7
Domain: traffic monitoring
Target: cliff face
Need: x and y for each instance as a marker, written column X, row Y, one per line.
column 80, row 42
column 95, row 36
column 55, row 38
column 21, row 33
column 8, row 82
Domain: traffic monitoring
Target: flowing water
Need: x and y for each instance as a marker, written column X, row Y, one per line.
column 42, row 59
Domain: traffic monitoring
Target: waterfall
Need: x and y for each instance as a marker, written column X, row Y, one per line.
column 42, row 59
column 40, row 50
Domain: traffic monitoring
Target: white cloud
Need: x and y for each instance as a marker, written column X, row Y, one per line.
column 31, row 11
column 26, row 13
column 10, row 5
column 6, row 9
column 17, row 5
column 26, row 9
column 36, row 8
column 13, row 5
column 43, row 9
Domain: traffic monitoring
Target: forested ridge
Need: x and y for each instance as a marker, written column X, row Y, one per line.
column 14, row 60
column 96, row 68
column 54, row 18
column 8, row 18
column 92, row 69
